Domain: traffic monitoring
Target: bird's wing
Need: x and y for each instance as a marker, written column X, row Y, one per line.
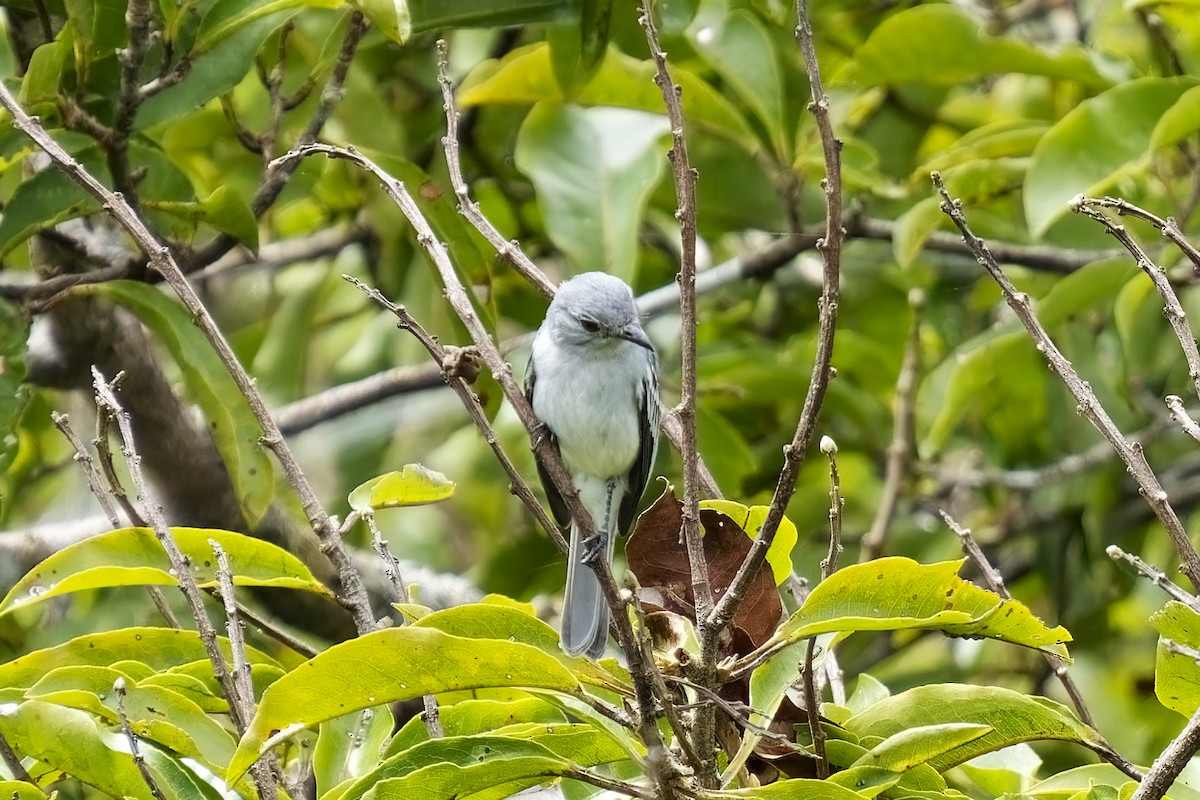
column 557, row 507
column 639, row 473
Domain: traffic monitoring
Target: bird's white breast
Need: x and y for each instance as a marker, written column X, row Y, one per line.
column 589, row 398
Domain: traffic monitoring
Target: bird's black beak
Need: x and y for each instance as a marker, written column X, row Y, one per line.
column 635, row 334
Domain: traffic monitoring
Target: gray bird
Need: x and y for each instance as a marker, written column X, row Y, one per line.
column 593, row 381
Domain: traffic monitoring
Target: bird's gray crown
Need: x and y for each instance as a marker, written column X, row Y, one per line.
column 596, row 296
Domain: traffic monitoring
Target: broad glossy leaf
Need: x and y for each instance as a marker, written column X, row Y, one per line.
column 750, row 519
column 99, row 26
column 914, row 746
column 1068, row 783
column 1099, row 141
column 1178, row 122
column 1176, row 676
column 1013, row 718
column 1008, row 139
column 47, row 198
column 412, row 485
column 581, row 745
column 227, row 17
column 134, row 557
column 390, row 665
column 19, row 790
column 214, row 71
column 594, row 169
column 228, row 212
column 40, row 84
column 350, row 746
column 73, row 742
column 159, row 648
column 14, row 395
column 493, row 621
column 799, row 789
column 428, row 15
column 154, row 712
column 231, row 422
column 973, row 375
column 526, row 76
column 738, row 47
column 942, row 45
column 1013, row 769
column 898, row 593
column 471, row 717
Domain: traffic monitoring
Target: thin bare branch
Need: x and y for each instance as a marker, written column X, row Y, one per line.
column 9, row 756
column 84, row 459
column 830, row 246
column 1170, row 762
column 163, row 261
column 1156, row 576
column 1091, row 409
column 1172, row 308
column 135, row 748
column 1181, row 417
column 1169, row 227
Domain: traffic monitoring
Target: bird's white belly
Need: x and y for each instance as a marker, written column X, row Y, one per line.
column 595, row 421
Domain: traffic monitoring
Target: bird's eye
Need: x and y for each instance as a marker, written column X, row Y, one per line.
column 590, row 325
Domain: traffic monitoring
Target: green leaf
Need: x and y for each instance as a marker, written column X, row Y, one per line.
column 154, row 712
column 14, row 395
column 1177, row 676
column 1070, row 782
column 1097, row 143
column 228, row 212
column 799, row 789
column 99, row 26
column 158, row 648
column 594, row 169
column 1178, row 122
column 492, row 621
column 909, row 748
column 227, row 17
column 974, row 375
column 428, row 15
column 214, row 71
column 898, row 593
column 231, row 422
column 73, row 742
column 40, row 84
column 470, row 717
column 738, row 47
column 48, row 198
column 944, row 46
column 350, row 746
column 750, row 519
column 448, row 767
column 1013, row 718
column 526, row 76
column 386, row 666
column 413, row 485
column 389, row 17
column 134, row 557
column 19, row 790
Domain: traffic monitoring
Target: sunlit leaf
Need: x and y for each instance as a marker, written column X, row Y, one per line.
column 1176, row 675
column 1012, row 717
column 412, row 485
column 350, row 746
column 1095, row 144
column 390, row 665
column 134, row 557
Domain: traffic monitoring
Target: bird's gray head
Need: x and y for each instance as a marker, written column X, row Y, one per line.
column 595, row 309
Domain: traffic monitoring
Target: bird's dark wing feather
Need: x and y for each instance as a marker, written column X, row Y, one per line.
column 639, row 473
column 557, row 507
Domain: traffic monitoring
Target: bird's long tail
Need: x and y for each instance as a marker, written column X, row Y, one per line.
column 585, row 611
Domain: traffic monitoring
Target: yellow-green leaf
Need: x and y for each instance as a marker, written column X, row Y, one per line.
column 751, row 519
column 413, row 485
column 134, row 557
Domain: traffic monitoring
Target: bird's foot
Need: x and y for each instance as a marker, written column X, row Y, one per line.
column 595, row 548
